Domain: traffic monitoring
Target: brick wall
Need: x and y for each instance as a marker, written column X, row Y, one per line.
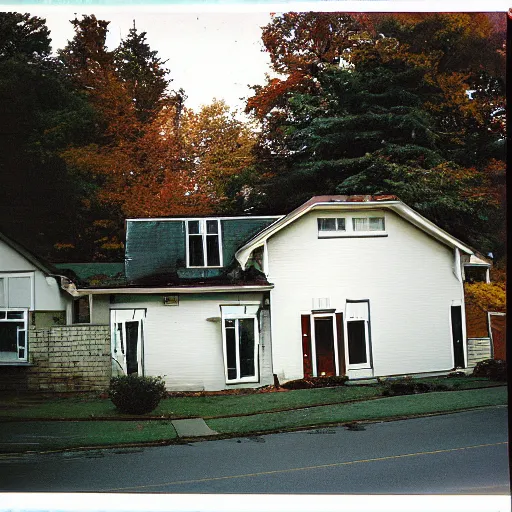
column 64, row 358
column 478, row 350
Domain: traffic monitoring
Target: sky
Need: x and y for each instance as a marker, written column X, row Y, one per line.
column 209, row 54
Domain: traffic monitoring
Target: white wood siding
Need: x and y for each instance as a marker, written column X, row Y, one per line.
column 46, row 290
column 184, row 347
column 407, row 276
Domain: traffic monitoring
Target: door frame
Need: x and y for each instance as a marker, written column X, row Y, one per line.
column 138, row 315
column 334, row 339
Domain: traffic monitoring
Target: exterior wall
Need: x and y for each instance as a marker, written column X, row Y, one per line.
column 184, row 345
column 47, row 293
column 69, row 358
column 479, row 349
column 407, row 276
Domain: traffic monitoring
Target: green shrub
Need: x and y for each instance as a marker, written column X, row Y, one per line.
column 410, row 387
column 132, row 394
column 493, row 369
column 315, row 382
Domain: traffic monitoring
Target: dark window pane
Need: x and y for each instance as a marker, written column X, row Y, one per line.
column 195, row 248
column 81, row 313
column 212, row 227
column 356, row 342
column 230, row 349
column 341, row 224
column 326, row 224
column 132, row 340
column 22, row 343
column 246, row 332
column 8, row 336
column 475, row 274
column 193, row 227
column 11, row 315
column 212, row 250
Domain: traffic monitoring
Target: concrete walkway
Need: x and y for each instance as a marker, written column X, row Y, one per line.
column 195, row 427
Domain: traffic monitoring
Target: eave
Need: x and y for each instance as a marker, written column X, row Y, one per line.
column 173, row 290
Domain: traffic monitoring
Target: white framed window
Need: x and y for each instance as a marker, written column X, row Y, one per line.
column 368, row 224
column 358, row 336
column 240, row 343
column 204, row 243
column 331, row 226
column 17, row 290
column 13, row 335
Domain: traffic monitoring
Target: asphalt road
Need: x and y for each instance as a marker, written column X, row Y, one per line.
column 462, row 453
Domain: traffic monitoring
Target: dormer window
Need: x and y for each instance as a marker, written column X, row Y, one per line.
column 203, row 243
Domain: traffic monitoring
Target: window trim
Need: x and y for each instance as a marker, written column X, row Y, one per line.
column 236, row 317
column 204, row 235
column 25, row 320
column 368, row 365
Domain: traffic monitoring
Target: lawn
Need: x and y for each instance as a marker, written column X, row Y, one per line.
column 20, row 436
column 212, row 406
column 373, row 409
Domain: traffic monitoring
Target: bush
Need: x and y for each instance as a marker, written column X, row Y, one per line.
column 493, row 369
column 410, row 387
column 315, row 382
column 132, row 394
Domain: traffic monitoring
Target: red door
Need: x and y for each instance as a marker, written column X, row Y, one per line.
column 306, row 345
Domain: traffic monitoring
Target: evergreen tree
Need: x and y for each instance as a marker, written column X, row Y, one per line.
column 143, row 72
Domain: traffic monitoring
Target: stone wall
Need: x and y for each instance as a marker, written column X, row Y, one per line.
column 479, row 349
column 64, row 358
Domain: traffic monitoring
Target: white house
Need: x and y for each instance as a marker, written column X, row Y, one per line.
column 359, row 286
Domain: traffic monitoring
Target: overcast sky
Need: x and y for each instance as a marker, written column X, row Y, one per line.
column 210, row 55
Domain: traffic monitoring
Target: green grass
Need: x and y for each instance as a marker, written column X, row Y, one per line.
column 21, row 436
column 212, row 406
column 374, row 409
column 203, row 406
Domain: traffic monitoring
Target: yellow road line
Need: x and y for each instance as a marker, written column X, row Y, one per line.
column 305, row 468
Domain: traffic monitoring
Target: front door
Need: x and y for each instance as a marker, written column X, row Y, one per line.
column 324, row 346
column 458, row 344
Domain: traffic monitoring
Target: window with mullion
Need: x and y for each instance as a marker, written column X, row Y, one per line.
column 203, row 243
column 241, row 349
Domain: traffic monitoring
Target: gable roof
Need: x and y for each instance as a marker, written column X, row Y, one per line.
column 344, row 202
column 38, row 262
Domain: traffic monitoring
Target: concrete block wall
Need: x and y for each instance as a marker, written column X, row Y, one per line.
column 69, row 358
column 479, row 349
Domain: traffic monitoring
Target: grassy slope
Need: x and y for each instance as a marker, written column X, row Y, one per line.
column 374, row 409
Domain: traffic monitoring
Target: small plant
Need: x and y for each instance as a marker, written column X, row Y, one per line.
column 132, row 394
column 493, row 369
column 408, row 386
column 315, row 382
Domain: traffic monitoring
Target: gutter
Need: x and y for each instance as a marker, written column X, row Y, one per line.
column 172, row 290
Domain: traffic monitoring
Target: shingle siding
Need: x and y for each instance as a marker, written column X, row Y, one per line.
column 158, row 247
